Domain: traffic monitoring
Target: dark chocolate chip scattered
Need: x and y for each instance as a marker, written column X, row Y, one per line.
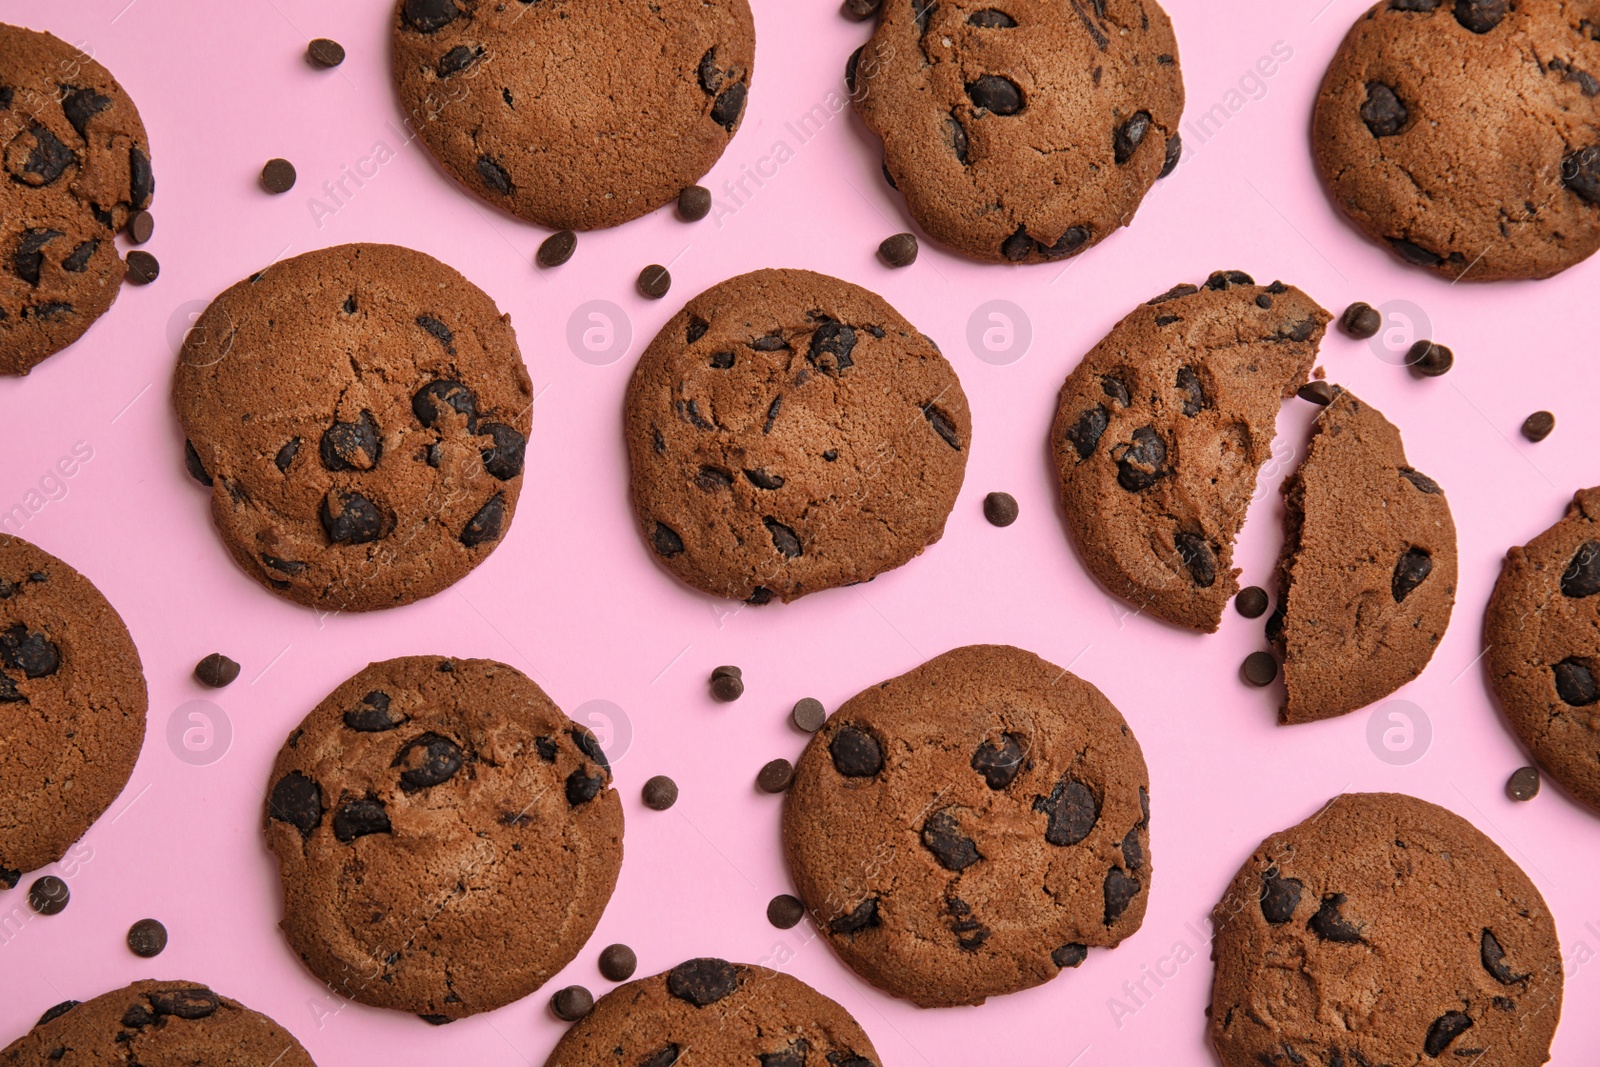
column 54, row 1013
column 1069, row 955
column 459, row 59
column 277, row 176
column 141, row 227
column 78, row 261
column 1221, row 279
column 955, row 135
column 1480, row 16
column 1317, row 391
column 146, row 938
column 1120, row 889
column 1141, row 462
column 356, row 522
column 427, row 16
column 297, row 801
column 654, row 281
column 1429, row 360
column 729, row 106
column 850, row 66
column 572, row 1003
column 1127, row 137
column 1259, row 668
column 285, row 457
column 1383, row 112
column 485, row 525
column 764, row 479
column 353, row 446
column 191, row 460
column 323, row 53
column 1575, row 683
column 589, row 745
column 702, row 981
column 1251, row 602
column 694, row 203
column 81, row 105
column 48, row 895
column 1329, row 925
column 556, row 249
column 373, row 714
column 991, row 19
column 666, row 1056
column 660, row 793
column 141, row 180
column 1421, row 481
column 1361, row 320
column 1582, row 576
column 358, row 818
column 1410, row 571
column 863, row 917
column 942, row 836
column 582, row 788
column 47, row 158
column 143, row 268
column 1279, row 896
column 617, row 963
column 1522, row 785
column 1174, row 155
column 195, row 1002
column 1071, row 810
column 808, row 715
column 503, row 460
column 1580, row 172
column 1085, row 433
column 1537, row 427
column 1000, row 509
column 494, row 175
column 784, row 538
column 856, row 753
column 727, row 687
column 1198, row 559
column 1494, row 956
column 785, row 911
column 1412, row 252
column 859, row 10
column 216, row 670
column 1000, row 763
column 775, row 776
column 1452, row 1024
column 899, row 250
column 429, row 760
column 666, row 540
column 995, row 94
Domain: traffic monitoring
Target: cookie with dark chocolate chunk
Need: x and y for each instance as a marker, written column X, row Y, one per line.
column 1383, row 929
column 790, row 432
column 450, row 797
column 360, row 415
column 972, row 827
column 1161, row 429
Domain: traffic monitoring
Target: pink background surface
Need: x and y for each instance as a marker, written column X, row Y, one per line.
column 573, row 598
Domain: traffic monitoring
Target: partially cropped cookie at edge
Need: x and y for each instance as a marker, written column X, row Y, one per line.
column 1383, row 930
column 361, row 415
column 1506, row 188
column 72, row 707
column 1024, row 131
column 1160, row 431
column 77, row 163
column 1543, row 633
column 726, row 1013
column 972, row 827
column 790, row 432
column 156, row 1023
column 446, row 837
column 1367, row 574
column 574, row 115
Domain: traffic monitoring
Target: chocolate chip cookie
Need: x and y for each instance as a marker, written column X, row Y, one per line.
column 1161, row 428
column 790, row 432
column 156, row 1023
column 1543, row 633
column 361, row 415
column 725, row 1012
column 1383, row 929
column 72, row 707
column 971, row 827
column 77, row 167
column 446, row 837
column 1368, row 569
column 1465, row 136
column 1026, row 131
column 574, row 115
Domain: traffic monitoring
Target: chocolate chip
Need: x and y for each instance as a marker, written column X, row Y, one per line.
column 990, row 19
column 503, row 460
column 1177, row 292
column 1259, row 668
column 617, row 963
column 373, row 714
column 46, row 160
column 1329, row 925
column 727, row 687
column 48, row 895
column 783, row 538
column 54, row 1013
column 1000, row 509
column 141, row 180
column 1480, row 16
column 1251, row 602
column 285, row 457
column 660, row 793
column 556, row 249
column 494, row 175
column 191, row 460
column 1412, row 568
column 850, row 66
column 1582, row 576
column 1085, row 433
column 323, row 53
column 830, row 347
column 709, row 74
column 1383, row 112
column 1120, row 889
column 859, row 10
column 1127, row 137
column 763, row 479
column 942, row 836
column 9, row 694
column 1141, row 462
column 1421, row 481
column 297, row 801
column 1174, row 155
column 922, row 12
column 1071, row 810
column 28, row 259
column 729, row 106
column 436, row 1020
column 899, row 250
column 81, row 105
column 356, row 521
column 666, row 1056
column 1317, row 391
column 143, row 268
column 216, row 670
column 1360, row 320
column 808, row 715
column 428, row 405
column 582, row 788
column 785, row 911
column 194, row 1002
column 589, row 745
column 694, row 203
column 429, row 760
column 360, row 817
column 775, row 776
column 459, row 59
column 1279, row 896
column 1493, row 956
column 1429, row 360
column 1195, row 552
column 863, row 917
column 1452, row 1024
column 141, row 227
column 146, row 938
column 1194, row 397
column 1522, row 785
column 1575, row 683
column 1537, row 427
column 1069, row 955
column 1412, row 252
column 347, row 446
column 427, row 16
column 29, row 651
column 485, row 525
column 572, row 1003
column 955, row 135
column 1220, row 280
column 666, row 540
column 995, row 94
column 1580, row 172
column 277, row 176
column 78, row 261
column 654, row 281
column 1000, row 763
column 1070, row 241
column 702, row 981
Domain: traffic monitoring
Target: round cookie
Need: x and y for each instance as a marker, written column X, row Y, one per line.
column 446, row 837
column 1025, row 131
column 77, row 164
column 790, row 432
column 1383, row 929
column 72, row 707
column 1543, row 633
column 1160, row 431
column 971, row 827
column 1506, row 188
column 574, row 115
column 1367, row 573
column 361, row 415
column 157, row 1024
column 726, row 1012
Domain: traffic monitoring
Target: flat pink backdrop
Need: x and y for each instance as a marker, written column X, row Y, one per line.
column 573, row 598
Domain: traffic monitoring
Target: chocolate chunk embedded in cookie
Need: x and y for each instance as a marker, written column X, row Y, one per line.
column 1368, row 569
column 361, row 415
column 1026, row 134
column 726, row 1012
column 157, row 1023
column 1383, row 929
column 1543, row 633
column 1508, row 187
column 77, row 166
column 790, row 432
column 970, row 828
column 1160, row 431
column 72, row 707
column 428, row 808
column 574, row 116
